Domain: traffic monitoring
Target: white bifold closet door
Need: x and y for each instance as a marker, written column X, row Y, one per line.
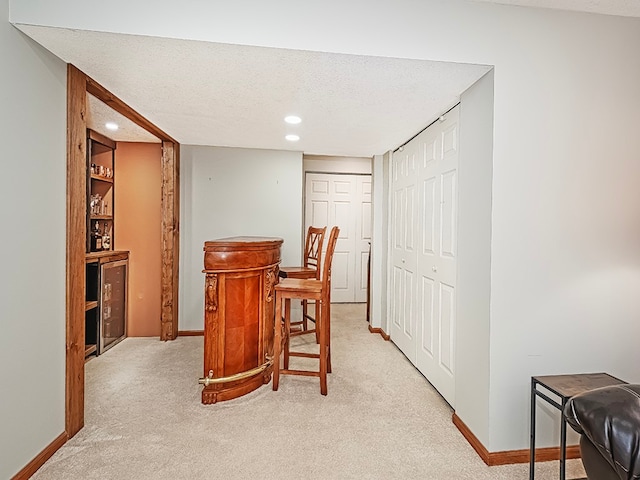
column 424, row 196
column 343, row 200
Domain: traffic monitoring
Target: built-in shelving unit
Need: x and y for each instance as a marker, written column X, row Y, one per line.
column 106, row 269
column 100, row 192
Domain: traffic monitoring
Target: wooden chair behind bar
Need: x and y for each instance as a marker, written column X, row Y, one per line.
column 309, row 270
column 305, row 289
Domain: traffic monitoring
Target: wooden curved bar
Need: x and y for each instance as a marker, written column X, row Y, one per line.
column 239, row 311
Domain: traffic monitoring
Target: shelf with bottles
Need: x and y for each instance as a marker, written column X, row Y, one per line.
column 101, row 202
column 101, row 235
column 101, row 148
column 99, row 178
column 100, row 192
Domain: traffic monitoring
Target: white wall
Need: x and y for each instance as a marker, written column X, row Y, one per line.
column 228, row 192
column 565, row 271
column 475, row 172
column 378, row 303
column 32, row 220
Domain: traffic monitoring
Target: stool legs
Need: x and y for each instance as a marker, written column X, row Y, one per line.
column 305, row 324
column 281, row 341
column 277, row 342
column 287, row 329
column 318, row 315
column 327, row 329
column 306, row 318
column 320, row 325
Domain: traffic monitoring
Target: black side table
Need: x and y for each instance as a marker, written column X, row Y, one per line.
column 565, row 387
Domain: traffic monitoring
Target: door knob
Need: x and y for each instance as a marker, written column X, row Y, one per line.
column 434, row 269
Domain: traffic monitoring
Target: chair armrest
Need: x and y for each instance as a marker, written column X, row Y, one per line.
column 610, row 418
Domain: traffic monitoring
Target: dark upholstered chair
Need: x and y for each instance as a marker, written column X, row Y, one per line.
column 608, row 421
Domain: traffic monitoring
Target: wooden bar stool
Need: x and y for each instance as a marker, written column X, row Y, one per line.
column 309, row 270
column 305, row 289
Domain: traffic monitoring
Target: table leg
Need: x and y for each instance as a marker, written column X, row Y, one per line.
column 532, row 453
column 563, row 442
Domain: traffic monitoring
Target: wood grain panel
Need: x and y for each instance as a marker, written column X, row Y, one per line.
column 238, row 314
column 170, row 240
column 76, row 228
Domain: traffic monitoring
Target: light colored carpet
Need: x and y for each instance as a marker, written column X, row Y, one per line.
column 380, row 420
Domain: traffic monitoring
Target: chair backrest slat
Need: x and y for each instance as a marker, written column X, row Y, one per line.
column 313, row 248
column 328, row 260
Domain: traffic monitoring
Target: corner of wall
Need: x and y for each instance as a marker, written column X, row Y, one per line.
column 474, row 258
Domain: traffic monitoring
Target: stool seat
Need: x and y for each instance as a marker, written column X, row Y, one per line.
column 300, row 286
column 298, row 272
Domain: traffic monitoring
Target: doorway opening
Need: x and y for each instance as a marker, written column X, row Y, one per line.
column 78, row 86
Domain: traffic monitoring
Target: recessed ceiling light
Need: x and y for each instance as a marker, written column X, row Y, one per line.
column 292, row 119
column 111, row 126
column 292, row 138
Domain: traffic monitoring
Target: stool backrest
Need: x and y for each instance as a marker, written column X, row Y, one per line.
column 313, row 248
column 328, row 260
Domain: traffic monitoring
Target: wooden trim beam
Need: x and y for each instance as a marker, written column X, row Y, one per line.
column 509, row 457
column 170, row 169
column 76, row 237
column 104, row 95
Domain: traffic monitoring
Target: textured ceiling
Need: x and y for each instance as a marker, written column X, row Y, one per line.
column 205, row 93
column 98, row 114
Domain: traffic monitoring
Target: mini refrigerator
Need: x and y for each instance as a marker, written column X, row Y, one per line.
column 113, row 303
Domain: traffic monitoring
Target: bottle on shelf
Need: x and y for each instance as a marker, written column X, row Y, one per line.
column 106, row 238
column 96, row 238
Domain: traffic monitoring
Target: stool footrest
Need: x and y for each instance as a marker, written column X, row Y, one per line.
column 304, row 354
column 303, row 373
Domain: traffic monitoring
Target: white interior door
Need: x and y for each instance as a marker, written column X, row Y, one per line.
column 345, row 201
column 437, row 176
column 403, row 251
column 432, row 182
